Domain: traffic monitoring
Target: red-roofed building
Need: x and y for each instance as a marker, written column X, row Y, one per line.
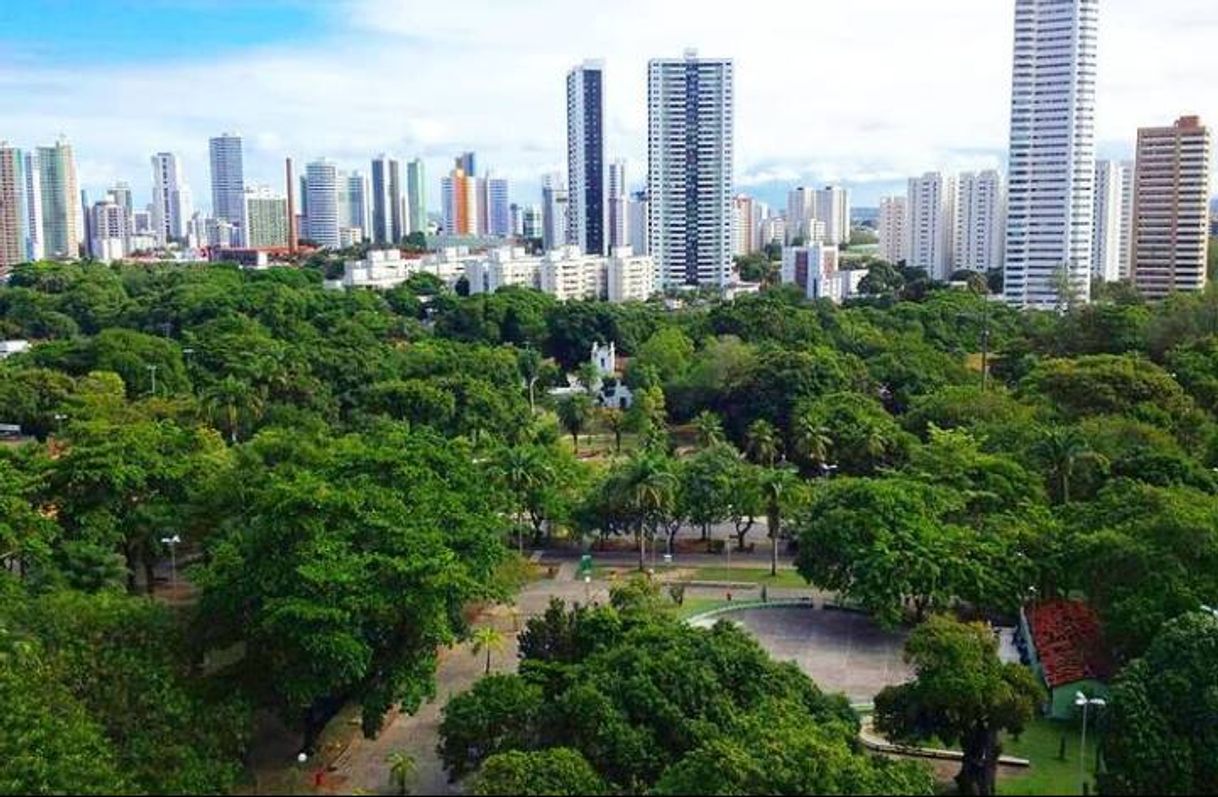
column 1066, row 648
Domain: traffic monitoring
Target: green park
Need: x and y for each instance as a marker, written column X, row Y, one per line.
column 258, row 536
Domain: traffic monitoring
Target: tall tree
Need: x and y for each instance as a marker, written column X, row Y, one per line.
column 964, row 694
column 574, row 413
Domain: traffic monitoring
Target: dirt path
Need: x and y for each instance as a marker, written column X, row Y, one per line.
column 363, row 768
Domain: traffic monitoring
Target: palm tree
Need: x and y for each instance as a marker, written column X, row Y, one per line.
column 646, row 492
column 762, row 443
column 776, row 486
column 520, row 471
column 573, row 414
column 529, row 362
column 230, row 402
column 813, row 442
column 402, row 767
column 488, row 640
column 709, row 429
column 616, row 422
column 1063, row 449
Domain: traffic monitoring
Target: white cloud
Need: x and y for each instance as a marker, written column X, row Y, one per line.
column 864, row 91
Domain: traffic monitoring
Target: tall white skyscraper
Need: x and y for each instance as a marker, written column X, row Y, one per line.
column 172, row 205
column 1052, row 158
column 980, row 221
column 690, row 110
column 619, row 200
column 639, row 224
column 891, row 229
column 35, row 247
column 498, row 206
column 416, row 196
column 554, row 210
column 1113, row 211
column 586, row 156
column 801, row 212
column 227, row 178
column 930, row 224
column 321, row 197
column 832, row 208
column 355, row 212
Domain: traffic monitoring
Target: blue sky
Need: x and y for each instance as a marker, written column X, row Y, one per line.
column 865, row 92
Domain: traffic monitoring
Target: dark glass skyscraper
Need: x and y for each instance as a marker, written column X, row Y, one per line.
column 586, row 157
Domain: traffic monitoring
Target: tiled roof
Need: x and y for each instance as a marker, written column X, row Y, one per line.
column 1069, row 642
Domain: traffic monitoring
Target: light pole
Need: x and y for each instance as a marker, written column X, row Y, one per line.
column 152, row 370
column 172, row 542
column 588, row 589
column 1085, row 703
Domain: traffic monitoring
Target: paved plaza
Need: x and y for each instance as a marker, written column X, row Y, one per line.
column 841, row 651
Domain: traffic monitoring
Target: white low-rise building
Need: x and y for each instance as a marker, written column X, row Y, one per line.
column 450, row 264
column 10, row 347
column 501, row 268
column 567, row 274
column 816, row 270
column 380, row 270
column 630, row 277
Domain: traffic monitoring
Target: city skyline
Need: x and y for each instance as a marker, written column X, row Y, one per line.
column 878, row 134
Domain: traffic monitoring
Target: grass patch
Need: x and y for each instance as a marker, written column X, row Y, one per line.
column 785, row 578
column 1041, row 744
column 695, row 606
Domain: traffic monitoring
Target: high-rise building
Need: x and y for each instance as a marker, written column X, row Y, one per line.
column 460, row 195
column 13, row 215
column 586, row 156
column 123, row 196
column 354, row 204
column 35, row 242
column 930, row 224
column 980, row 220
column 265, row 219
column 61, row 217
column 172, row 206
column 744, row 233
column 891, row 227
column 1052, row 156
column 639, row 224
column 321, row 179
column 416, row 195
column 1171, row 208
column 387, row 201
column 690, row 107
column 801, row 211
column 109, row 235
column 532, row 224
column 227, row 178
column 498, row 207
column 619, row 201
column 468, row 163
column 832, row 208
column 1113, row 212
column 554, row 209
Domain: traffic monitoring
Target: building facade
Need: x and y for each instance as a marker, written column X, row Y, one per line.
column 13, row 214
column 930, row 224
column 355, row 203
column 586, row 157
column 265, row 219
column 638, row 224
column 891, row 229
column 227, row 178
column 618, row 216
column 59, row 194
column 1052, row 152
column 416, row 196
column 498, row 207
column 322, row 204
column 691, row 125
column 980, row 222
column 460, row 195
column 385, row 187
column 630, row 277
column 832, row 208
column 172, row 203
column 1110, row 234
column 1171, row 208
column 554, row 209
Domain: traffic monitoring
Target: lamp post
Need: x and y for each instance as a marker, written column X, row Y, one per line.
column 588, row 589
column 1085, row 703
column 172, row 542
column 152, row 370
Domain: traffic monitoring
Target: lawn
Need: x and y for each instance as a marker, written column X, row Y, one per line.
column 786, row 578
column 1040, row 744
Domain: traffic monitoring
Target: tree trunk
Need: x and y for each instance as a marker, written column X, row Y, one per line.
column 775, row 524
column 979, row 773
column 150, row 576
column 617, row 441
column 642, row 549
column 705, row 532
column 488, row 661
column 575, row 441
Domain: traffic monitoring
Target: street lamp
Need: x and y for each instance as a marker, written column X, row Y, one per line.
column 588, row 588
column 172, row 542
column 152, row 370
column 1086, row 703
